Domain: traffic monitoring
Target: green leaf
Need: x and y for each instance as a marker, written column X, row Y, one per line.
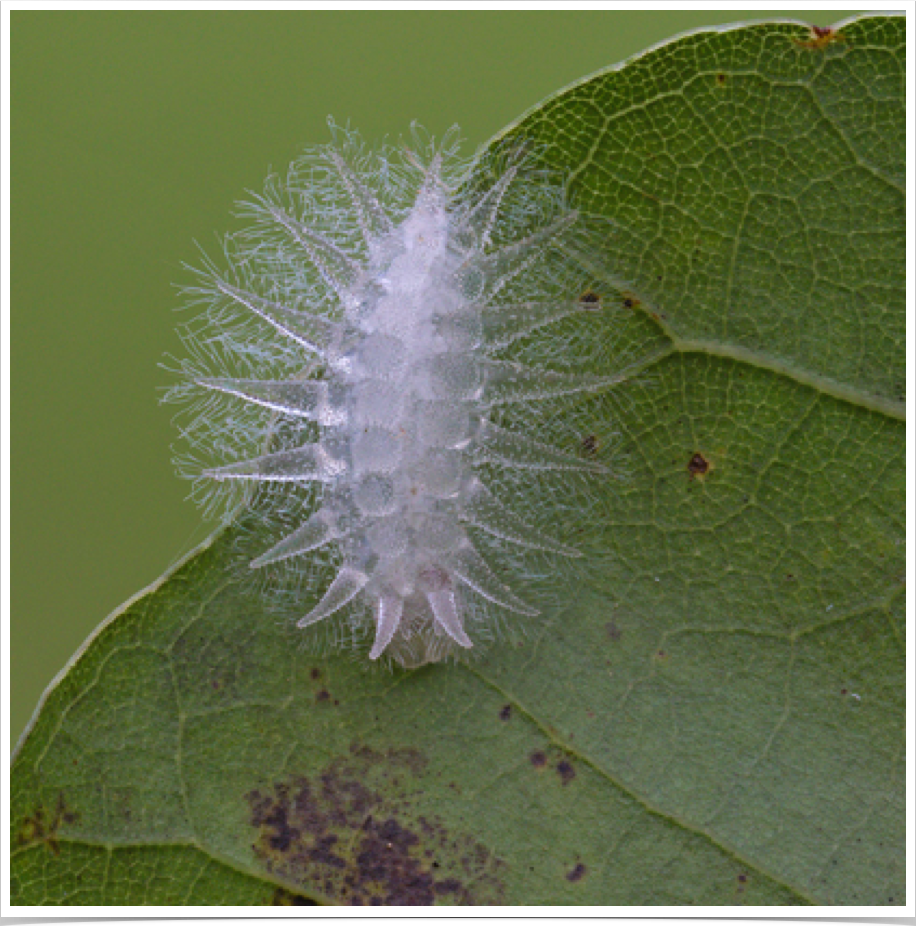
column 715, row 714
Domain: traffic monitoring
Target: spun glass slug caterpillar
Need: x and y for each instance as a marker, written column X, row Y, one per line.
column 351, row 367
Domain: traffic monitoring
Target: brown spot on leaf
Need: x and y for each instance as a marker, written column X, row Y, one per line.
column 566, row 771
column 353, row 834
column 590, row 445
column 821, row 37
column 577, row 874
column 43, row 826
column 698, row 466
column 506, row 712
column 316, row 674
column 721, row 79
column 590, row 300
column 613, row 631
column 323, row 695
column 538, row 759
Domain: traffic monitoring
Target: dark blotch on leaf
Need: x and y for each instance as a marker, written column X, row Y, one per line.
column 590, row 300
column 351, row 834
column 323, row 695
column 590, row 445
column 538, row 759
column 566, row 771
column 577, row 874
column 506, row 712
column 698, row 465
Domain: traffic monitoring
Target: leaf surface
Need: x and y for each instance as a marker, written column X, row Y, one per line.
column 715, row 715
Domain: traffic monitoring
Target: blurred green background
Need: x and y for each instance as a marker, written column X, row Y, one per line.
column 133, row 135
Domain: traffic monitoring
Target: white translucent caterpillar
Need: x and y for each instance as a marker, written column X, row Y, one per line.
column 382, row 289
